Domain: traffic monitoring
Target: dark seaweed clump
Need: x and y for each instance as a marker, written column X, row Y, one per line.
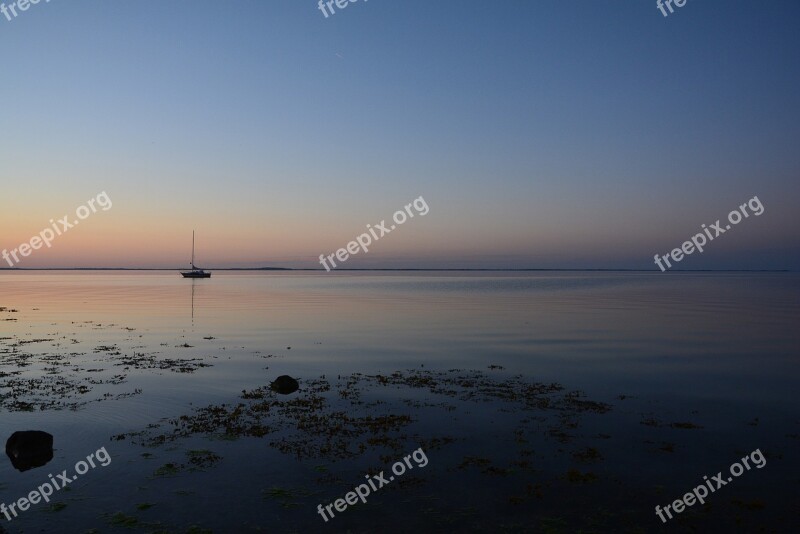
column 345, row 418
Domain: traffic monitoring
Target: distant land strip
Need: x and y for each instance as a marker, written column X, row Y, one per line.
column 395, row 269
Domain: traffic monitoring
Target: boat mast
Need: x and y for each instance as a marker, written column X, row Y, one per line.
column 193, row 267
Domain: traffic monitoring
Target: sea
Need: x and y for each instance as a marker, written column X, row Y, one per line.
column 458, row 401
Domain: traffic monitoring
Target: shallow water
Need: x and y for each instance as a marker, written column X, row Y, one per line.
column 681, row 374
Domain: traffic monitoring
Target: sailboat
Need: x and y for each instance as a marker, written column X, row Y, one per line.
column 195, row 272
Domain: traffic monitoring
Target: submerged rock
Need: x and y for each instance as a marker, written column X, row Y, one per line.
column 29, row 448
column 284, row 385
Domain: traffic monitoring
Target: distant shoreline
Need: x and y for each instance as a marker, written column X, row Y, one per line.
column 398, row 270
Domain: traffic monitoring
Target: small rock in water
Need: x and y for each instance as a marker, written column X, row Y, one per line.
column 284, row 385
column 29, row 448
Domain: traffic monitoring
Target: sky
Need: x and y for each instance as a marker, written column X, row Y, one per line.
column 540, row 133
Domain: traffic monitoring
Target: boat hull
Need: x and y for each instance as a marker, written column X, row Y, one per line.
column 196, row 275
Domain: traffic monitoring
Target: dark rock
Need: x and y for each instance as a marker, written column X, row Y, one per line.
column 29, row 448
column 284, row 385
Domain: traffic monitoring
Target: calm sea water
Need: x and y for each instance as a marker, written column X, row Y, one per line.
column 693, row 370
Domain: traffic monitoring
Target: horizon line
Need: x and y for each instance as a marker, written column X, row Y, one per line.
column 495, row 269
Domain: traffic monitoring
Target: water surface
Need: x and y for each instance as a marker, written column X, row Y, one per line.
column 662, row 378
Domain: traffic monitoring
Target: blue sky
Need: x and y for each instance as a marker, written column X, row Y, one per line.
column 541, row 133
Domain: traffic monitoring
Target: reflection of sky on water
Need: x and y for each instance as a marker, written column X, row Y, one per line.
column 714, row 349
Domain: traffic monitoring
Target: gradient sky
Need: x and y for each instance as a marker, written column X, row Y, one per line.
column 552, row 133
